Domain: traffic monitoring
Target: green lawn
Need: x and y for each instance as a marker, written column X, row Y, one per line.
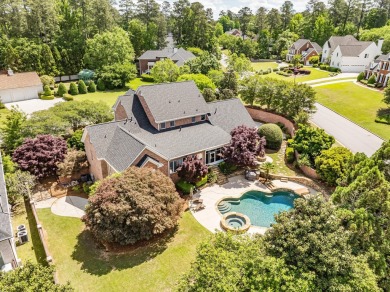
column 32, row 250
column 279, row 163
column 264, row 65
column 315, row 74
column 355, row 102
column 135, row 83
column 87, row 268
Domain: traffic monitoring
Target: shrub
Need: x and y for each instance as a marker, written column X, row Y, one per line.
column 73, row 90
column 302, row 118
column 40, row 155
column 209, row 94
column 212, row 177
column 75, row 140
column 74, row 162
column 360, row 76
column 184, row 186
column 116, row 75
column 314, row 60
column 273, row 135
column 2, row 105
column 67, row 97
column 147, row 78
column 226, row 167
column 44, row 97
column 100, row 85
column 61, row 90
column 82, row 88
column 202, row 182
column 193, row 169
column 92, row 87
column 290, row 157
column 371, row 80
column 47, row 90
column 333, row 164
column 136, row 205
column 47, row 80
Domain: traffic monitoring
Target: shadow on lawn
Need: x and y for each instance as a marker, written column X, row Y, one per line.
column 383, row 114
column 95, row 260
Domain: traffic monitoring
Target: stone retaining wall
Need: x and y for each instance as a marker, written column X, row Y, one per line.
column 268, row 117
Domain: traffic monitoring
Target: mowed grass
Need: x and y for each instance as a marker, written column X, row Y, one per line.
column 264, row 65
column 355, row 102
column 87, row 268
column 33, row 249
column 315, row 74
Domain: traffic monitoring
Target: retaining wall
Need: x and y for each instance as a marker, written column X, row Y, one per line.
column 261, row 115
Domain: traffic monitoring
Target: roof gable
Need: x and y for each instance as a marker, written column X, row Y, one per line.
column 173, row 101
column 19, row 80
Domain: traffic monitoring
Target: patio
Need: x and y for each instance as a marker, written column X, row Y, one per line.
column 210, row 217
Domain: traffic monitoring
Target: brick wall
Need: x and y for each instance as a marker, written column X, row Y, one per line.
column 164, row 169
column 95, row 166
column 268, row 117
column 120, row 113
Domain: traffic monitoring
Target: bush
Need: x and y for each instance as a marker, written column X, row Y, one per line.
column 50, row 97
column 100, row 85
column 226, row 167
column 290, row 156
column 92, row 87
column 360, row 76
column 371, row 85
column 212, row 177
column 47, row 80
column 75, row 140
column 73, row 90
column 136, row 205
column 67, row 97
column 193, row 169
column 371, row 80
column 82, row 87
column 273, row 135
column 202, row 182
column 184, row 186
column 61, row 90
column 333, row 164
column 147, row 78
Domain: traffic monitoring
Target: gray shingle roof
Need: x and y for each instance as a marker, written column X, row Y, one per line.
column 172, row 101
column 335, row 41
column 154, row 54
column 180, row 56
column 121, row 142
column 354, row 49
column 317, row 47
column 383, row 58
column 299, row 43
column 5, row 218
column 228, row 114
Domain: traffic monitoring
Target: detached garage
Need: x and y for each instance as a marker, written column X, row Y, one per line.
column 19, row 86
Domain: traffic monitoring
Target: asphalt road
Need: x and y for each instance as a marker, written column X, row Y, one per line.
column 346, row 132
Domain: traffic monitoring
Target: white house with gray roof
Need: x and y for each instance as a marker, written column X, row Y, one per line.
column 349, row 54
column 8, row 257
column 158, row 126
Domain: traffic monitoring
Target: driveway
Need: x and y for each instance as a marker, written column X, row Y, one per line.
column 352, row 136
column 34, row 105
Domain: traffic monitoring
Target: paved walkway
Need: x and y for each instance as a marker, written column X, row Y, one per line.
column 34, row 105
column 68, row 206
column 352, row 136
column 210, row 218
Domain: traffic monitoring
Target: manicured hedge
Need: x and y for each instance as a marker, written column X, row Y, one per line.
column 226, row 167
column 202, row 182
column 67, row 97
column 290, row 155
column 184, row 186
column 147, row 78
column 273, row 135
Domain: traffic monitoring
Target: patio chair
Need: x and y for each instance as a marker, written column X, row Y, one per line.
column 199, row 207
column 197, row 201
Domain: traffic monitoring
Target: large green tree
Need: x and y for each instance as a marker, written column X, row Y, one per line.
column 165, row 71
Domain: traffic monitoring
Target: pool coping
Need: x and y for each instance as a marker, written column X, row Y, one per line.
column 243, row 229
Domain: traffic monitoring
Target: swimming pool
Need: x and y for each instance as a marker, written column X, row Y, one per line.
column 260, row 207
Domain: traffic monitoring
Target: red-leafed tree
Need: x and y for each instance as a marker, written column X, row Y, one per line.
column 193, row 169
column 40, row 156
column 244, row 146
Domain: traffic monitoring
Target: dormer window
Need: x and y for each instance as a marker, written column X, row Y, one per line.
column 193, row 119
column 171, row 124
column 366, row 56
column 162, row 126
column 203, row 117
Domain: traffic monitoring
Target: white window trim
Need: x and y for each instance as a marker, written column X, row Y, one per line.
column 161, row 127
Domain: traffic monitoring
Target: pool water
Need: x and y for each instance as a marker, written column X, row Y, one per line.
column 258, row 206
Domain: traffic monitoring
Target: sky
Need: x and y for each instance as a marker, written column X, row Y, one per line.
column 235, row 5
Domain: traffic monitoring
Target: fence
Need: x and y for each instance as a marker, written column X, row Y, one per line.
column 66, row 78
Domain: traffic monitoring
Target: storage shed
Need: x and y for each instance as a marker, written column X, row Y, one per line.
column 19, row 86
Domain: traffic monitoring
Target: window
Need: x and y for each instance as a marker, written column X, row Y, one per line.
column 203, row 117
column 214, row 156
column 325, row 52
column 193, row 119
column 337, row 55
column 171, row 124
column 162, row 126
column 174, row 165
column 365, row 56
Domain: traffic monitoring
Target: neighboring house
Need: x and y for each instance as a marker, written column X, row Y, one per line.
column 356, row 56
column 159, row 125
column 331, row 44
column 19, row 86
column 305, row 48
column 8, row 257
column 235, row 32
column 147, row 60
column 380, row 67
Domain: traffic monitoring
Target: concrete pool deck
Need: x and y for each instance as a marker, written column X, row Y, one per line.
column 210, row 217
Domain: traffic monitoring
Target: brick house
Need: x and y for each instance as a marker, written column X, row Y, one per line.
column 380, row 67
column 8, row 257
column 158, row 126
column 147, row 60
column 305, row 48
